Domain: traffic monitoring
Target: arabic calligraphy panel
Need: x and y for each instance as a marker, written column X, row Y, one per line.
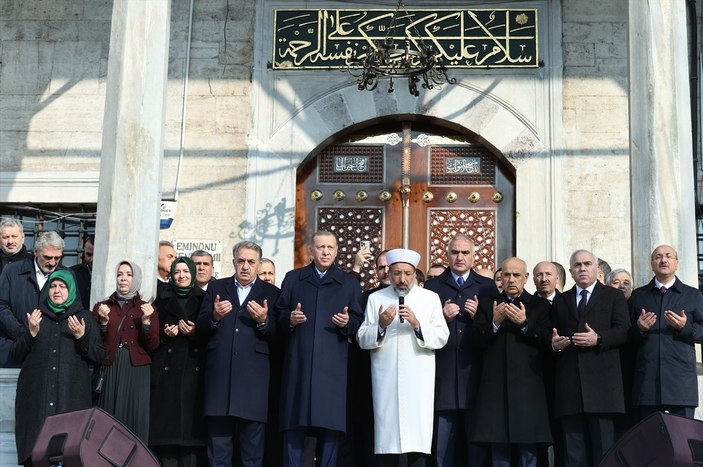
column 469, row 38
column 356, row 163
column 461, row 165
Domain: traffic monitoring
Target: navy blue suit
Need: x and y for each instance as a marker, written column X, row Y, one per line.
column 458, row 366
column 236, row 370
column 665, row 363
column 314, row 377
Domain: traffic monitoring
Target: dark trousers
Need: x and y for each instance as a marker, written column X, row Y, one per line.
column 250, row 437
column 644, row 411
column 452, row 446
column 587, row 437
column 412, row 459
column 179, row 456
column 526, row 454
column 294, row 443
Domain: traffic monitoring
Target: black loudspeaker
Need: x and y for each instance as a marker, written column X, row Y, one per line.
column 89, row 438
column 660, row 440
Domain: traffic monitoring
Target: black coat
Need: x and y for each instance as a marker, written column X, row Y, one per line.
column 6, row 259
column 665, row 362
column 176, row 375
column 237, row 366
column 314, row 377
column 588, row 379
column 19, row 295
column 56, row 371
column 511, row 406
column 84, row 276
column 458, row 366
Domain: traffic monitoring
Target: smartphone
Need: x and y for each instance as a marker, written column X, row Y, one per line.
column 365, row 244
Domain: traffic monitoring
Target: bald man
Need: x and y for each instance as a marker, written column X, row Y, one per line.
column 513, row 332
column 667, row 318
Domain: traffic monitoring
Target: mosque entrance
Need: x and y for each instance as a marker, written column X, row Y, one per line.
column 403, row 184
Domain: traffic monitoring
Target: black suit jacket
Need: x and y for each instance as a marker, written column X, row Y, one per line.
column 458, row 367
column 588, row 379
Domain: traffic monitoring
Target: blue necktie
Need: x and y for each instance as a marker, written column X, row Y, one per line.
column 460, row 281
column 582, row 303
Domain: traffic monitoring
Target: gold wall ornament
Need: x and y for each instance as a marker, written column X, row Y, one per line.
column 474, row 197
column 451, row 197
column 427, row 196
column 361, row 195
column 316, row 195
column 338, row 195
column 405, row 190
column 385, row 195
column 497, row 197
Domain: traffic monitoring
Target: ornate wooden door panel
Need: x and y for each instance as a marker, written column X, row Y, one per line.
column 345, row 191
column 377, row 192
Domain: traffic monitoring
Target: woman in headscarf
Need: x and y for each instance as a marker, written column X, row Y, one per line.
column 57, row 346
column 130, row 332
column 177, row 426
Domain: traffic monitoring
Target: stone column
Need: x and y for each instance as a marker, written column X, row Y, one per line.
column 662, row 179
column 129, row 196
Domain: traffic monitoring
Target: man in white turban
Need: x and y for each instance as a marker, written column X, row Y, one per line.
column 403, row 326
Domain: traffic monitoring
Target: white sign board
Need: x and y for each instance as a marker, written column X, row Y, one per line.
column 214, row 247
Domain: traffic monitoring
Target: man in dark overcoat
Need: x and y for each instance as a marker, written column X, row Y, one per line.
column 20, row 285
column 667, row 320
column 237, row 321
column 513, row 332
column 84, row 271
column 11, row 242
column 318, row 311
column 458, row 365
column 590, row 324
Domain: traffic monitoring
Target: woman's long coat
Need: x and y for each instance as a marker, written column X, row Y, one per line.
column 56, row 374
column 511, row 406
column 314, row 377
column 140, row 343
column 177, row 375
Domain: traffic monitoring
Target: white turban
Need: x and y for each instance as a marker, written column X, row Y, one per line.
column 402, row 255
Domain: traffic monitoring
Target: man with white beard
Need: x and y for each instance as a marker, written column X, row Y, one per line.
column 403, row 326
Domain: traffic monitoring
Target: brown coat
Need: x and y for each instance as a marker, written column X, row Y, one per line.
column 139, row 342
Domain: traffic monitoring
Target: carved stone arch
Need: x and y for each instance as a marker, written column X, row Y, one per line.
column 495, row 122
column 321, row 120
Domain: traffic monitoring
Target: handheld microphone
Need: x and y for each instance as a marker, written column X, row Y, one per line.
column 401, row 301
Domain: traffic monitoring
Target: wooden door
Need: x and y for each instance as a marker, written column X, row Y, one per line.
column 406, row 188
